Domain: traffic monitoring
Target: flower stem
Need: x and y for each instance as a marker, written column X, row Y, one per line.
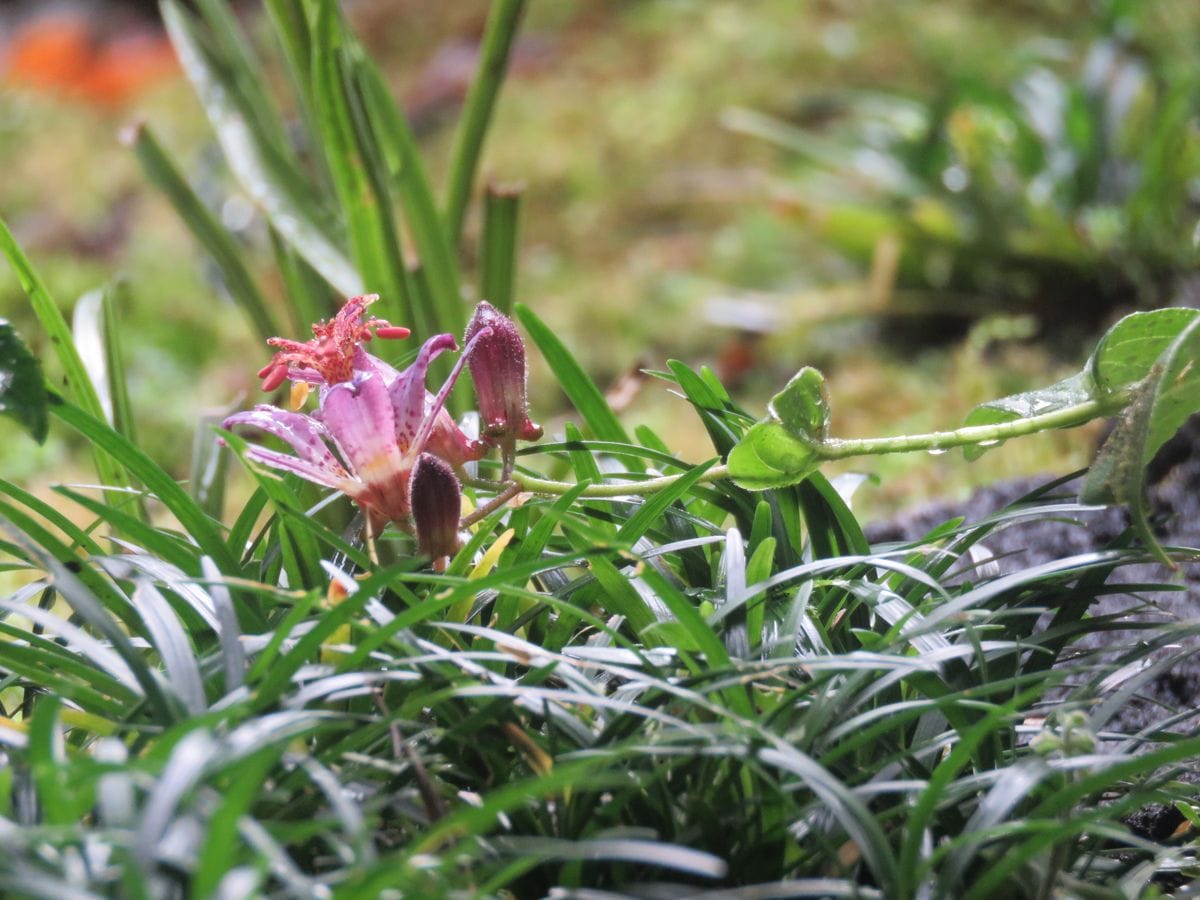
column 844, row 448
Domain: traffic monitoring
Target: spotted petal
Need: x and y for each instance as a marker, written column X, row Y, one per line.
column 306, row 435
column 339, row 480
column 408, row 393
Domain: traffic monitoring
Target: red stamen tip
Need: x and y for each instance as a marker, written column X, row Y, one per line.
column 274, row 377
column 392, row 332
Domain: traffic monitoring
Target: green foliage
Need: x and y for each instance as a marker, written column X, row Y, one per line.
column 1064, row 191
column 647, row 673
column 22, row 388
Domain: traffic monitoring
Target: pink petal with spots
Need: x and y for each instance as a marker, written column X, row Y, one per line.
column 306, row 470
column 408, row 393
column 306, row 435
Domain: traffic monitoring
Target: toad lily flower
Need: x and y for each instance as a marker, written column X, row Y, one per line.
column 380, row 421
column 498, row 370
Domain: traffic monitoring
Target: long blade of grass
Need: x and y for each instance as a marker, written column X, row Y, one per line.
column 501, row 219
column 498, row 37
column 579, row 388
column 213, row 237
column 76, row 385
column 353, row 163
column 282, row 195
column 203, row 530
column 400, row 153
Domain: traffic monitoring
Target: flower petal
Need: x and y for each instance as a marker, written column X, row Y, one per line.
column 408, row 393
column 359, row 416
column 433, row 410
column 449, row 441
column 306, row 435
column 306, row 470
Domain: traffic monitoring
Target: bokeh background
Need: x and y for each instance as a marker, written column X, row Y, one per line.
column 935, row 203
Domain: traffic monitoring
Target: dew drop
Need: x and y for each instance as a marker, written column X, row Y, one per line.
column 937, row 451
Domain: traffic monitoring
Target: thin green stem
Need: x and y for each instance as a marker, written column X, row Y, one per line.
column 532, row 485
column 477, row 114
column 1070, row 417
column 835, row 448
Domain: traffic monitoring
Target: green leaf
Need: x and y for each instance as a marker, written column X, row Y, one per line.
column 501, row 214
column 22, row 387
column 769, row 456
column 1161, row 403
column 205, row 227
column 1130, row 349
column 802, row 407
column 76, row 385
column 356, row 168
column 581, row 390
column 1079, row 388
column 262, row 168
column 503, row 21
column 203, row 530
column 403, row 161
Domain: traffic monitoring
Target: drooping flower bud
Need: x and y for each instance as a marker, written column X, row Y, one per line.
column 498, row 370
column 436, row 501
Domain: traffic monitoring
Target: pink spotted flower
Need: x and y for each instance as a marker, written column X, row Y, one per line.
column 373, row 426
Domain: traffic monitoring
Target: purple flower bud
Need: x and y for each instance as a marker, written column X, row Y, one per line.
column 498, row 370
column 436, row 501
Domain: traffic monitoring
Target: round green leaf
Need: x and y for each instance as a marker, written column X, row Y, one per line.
column 802, row 407
column 1130, row 349
column 769, row 457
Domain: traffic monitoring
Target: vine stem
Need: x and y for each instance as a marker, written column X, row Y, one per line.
column 844, row 448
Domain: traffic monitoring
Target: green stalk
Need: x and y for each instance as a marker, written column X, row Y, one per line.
column 834, row 448
column 498, row 39
column 501, row 212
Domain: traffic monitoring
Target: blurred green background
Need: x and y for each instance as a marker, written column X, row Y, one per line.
column 936, row 203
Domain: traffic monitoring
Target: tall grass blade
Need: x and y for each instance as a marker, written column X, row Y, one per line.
column 264, row 173
column 571, row 377
column 501, row 219
column 499, row 35
column 77, row 386
column 212, row 235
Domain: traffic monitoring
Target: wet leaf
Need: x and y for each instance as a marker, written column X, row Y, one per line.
column 22, row 388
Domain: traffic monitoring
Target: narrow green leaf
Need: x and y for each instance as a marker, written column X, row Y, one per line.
column 209, row 464
column 353, row 163
column 114, row 358
column 200, row 527
column 656, row 505
column 279, row 191
column 76, row 385
column 47, row 756
column 579, row 388
column 501, row 218
column 244, row 70
column 403, row 160
column 498, row 37
column 22, row 387
column 211, row 234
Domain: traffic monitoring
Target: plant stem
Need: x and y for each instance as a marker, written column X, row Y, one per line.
column 477, row 113
column 1070, row 417
column 835, row 448
column 530, row 484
